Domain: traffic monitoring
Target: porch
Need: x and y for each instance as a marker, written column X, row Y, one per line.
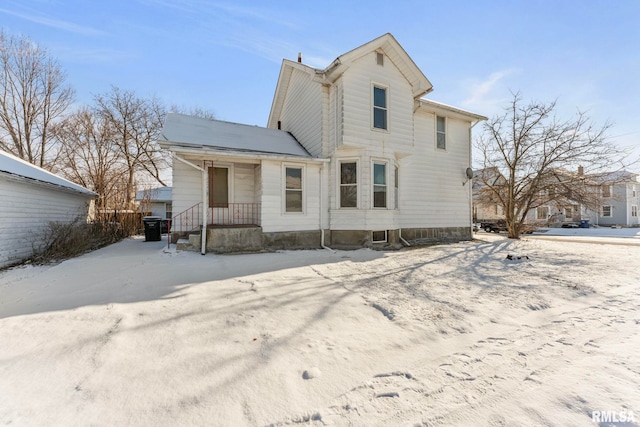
column 227, row 215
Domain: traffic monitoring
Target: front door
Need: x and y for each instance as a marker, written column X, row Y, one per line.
column 219, row 195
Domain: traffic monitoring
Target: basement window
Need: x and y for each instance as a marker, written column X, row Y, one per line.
column 379, row 236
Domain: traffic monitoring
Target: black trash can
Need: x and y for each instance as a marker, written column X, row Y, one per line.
column 152, row 228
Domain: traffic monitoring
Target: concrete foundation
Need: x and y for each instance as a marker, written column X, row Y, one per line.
column 253, row 239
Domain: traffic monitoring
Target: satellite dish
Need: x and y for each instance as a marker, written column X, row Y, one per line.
column 469, row 173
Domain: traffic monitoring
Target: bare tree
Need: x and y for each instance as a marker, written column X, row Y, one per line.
column 89, row 156
column 135, row 125
column 543, row 160
column 194, row 111
column 33, row 95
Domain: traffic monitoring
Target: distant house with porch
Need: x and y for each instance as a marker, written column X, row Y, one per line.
column 352, row 156
column 31, row 198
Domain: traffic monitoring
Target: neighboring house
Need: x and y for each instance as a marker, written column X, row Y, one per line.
column 620, row 198
column 485, row 207
column 353, row 156
column 155, row 202
column 30, row 198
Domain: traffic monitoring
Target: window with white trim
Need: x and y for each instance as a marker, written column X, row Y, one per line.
column 348, row 184
column 606, row 211
column 634, row 210
column 293, row 189
column 542, row 212
column 606, row 191
column 379, row 185
column 441, row 132
column 379, row 107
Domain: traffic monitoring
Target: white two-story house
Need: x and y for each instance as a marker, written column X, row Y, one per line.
column 352, row 156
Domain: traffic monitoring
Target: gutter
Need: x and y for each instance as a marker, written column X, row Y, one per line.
column 243, row 155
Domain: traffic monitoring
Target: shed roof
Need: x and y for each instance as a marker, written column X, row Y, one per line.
column 194, row 132
column 13, row 165
column 159, row 194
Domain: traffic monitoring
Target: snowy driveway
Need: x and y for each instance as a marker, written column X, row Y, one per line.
column 445, row 335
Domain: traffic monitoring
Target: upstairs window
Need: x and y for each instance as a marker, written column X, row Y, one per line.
column 348, row 185
column 293, row 190
column 379, row 107
column 379, row 185
column 606, row 191
column 634, row 210
column 441, row 133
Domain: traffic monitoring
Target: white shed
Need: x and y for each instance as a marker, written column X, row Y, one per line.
column 30, row 198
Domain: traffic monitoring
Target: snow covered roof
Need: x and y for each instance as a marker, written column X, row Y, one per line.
column 15, row 166
column 160, row 194
column 190, row 131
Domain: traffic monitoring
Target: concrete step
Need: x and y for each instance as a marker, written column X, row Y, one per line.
column 184, row 245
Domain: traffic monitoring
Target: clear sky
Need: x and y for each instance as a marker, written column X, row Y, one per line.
column 226, row 56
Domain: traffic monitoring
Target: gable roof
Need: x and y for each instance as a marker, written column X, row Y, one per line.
column 386, row 43
column 392, row 49
column 17, row 167
column 181, row 130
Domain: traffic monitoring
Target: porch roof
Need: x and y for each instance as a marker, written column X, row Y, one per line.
column 195, row 132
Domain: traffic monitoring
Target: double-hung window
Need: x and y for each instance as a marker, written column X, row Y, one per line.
column 634, row 210
column 379, row 185
column 348, row 185
column 441, row 132
column 380, row 107
column 293, row 189
column 606, row 211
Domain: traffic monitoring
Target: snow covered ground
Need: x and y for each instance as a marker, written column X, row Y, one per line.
column 445, row 335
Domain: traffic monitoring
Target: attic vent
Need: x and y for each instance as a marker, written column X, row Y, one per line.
column 379, row 58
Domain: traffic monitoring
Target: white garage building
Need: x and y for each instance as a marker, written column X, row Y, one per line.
column 30, row 198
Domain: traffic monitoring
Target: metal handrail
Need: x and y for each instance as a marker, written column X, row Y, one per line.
column 235, row 214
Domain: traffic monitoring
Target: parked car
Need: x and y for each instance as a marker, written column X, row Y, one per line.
column 494, row 226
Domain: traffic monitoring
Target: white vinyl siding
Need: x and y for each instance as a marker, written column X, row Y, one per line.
column 432, row 194
column 356, row 111
column 27, row 208
column 303, row 111
column 274, row 217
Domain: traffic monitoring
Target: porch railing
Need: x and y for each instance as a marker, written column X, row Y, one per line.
column 235, row 214
column 187, row 220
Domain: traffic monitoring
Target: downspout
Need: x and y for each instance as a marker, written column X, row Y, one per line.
column 203, row 170
column 322, row 245
column 471, row 185
column 203, row 234
column 401, row 238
